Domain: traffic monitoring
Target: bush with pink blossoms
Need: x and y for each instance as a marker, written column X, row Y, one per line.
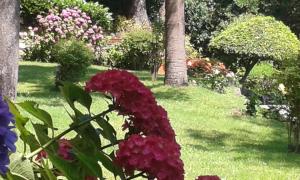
column 69, row 23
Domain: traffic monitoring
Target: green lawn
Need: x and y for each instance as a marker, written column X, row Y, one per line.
column 213, row 140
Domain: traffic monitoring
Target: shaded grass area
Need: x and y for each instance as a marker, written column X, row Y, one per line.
column 213, row 140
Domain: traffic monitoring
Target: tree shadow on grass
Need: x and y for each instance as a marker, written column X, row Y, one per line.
column 168, row 93
column 271, row 150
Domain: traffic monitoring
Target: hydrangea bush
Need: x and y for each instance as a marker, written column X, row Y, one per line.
column 69, row 23
column 148, row 149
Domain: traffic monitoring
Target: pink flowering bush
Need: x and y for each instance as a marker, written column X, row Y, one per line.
column 148, row 148
column 69, row 23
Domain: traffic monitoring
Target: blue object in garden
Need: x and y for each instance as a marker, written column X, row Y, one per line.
column 7, row 136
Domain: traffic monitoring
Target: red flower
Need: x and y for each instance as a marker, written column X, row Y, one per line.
column 208, row 178
column 158, row 157
column 64, row 151
column 134, row 100
column 41, row 155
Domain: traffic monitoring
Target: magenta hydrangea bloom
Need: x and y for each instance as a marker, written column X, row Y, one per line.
column 7, row 136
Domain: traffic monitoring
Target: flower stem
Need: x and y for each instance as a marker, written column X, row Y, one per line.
column 66, row 132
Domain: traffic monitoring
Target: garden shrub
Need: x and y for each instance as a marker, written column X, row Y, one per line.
column 211, row 74
column 207, row 17
column 252, row 39
column 69, row 23
column 73, row 57
column 138, row 50
column 289, row 76
column 31, row 8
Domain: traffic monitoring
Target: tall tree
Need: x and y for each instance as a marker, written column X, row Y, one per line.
column 176, row 68
column 9, row 46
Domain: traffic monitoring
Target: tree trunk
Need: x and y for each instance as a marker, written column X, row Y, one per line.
column 162, row 11
column 138, row 12
column 248, row 69
column 9, row 46
column 176, row 68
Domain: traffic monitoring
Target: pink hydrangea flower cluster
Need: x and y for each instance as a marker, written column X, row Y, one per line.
column 157, row 156
column 152, row 148
column 69, row 23
column 134, row 100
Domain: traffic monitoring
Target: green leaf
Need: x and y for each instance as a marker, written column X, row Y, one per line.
column 73, row 93
column 88, row 132
column 20, row 167
column 107, row 162
column 70, row 170
column 108, row 131
column 33, row 108
column 89, row 161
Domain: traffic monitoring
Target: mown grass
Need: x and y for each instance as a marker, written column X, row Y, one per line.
column 215, row 139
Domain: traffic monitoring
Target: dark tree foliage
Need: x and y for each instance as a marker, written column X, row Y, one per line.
column 123, row 7
column 287, row 11
column 205, row 18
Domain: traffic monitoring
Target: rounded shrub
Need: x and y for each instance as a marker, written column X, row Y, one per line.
column 251, row 39
column 73, row 57
column 140, row 48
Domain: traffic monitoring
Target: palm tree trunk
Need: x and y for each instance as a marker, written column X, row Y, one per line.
column 9, row 46
column 176, row 68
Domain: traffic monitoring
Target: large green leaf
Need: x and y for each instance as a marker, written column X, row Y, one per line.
column 73, row 93
column 89, row 162
column 21, row 167
column 88, row 132
column 69, row 169
column 107, row 162
column 41, row 133
column 33, row 108
column 107, row 131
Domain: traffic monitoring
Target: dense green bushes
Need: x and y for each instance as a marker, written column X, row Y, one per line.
column 207, row 17
column 31, row 8
column 73, row 57
column 138, row 50
column 250, row 39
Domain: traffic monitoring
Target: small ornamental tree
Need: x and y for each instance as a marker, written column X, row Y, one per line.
column 251, row 39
